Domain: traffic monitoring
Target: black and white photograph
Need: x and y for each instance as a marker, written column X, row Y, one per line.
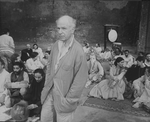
column 74, row 61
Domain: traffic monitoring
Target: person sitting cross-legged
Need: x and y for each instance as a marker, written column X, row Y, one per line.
column 114, row 86
column 96, row 70
column 142, row 86
column 33, row 63
column 128, row 59
column 34, row 93
column 17, row 83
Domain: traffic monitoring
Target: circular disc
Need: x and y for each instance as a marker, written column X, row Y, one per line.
column 112, row 35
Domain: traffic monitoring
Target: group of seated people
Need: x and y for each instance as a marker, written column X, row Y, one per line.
column 26, row 81
column 120, row 76
column 115, row 75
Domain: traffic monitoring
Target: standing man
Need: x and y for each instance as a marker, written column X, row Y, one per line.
column 66, row 76
column 7, row 48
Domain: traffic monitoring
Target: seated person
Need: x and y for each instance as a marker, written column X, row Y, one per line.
column 147, row 60
column 3, row 76
column 86, row 48
column 44, row 60
column 97, row 48
column 33, row 63
column 106, row 66
column 116, row 52
column 17, row 58
column 141, row 54
column 34, row 93
column 106, row 55
column 142, row 88
column 26, row 53
column 128, row 59
column 17, row 83
column 37, row 49
column 114, row 86
column 96, row 70
column 133, row 73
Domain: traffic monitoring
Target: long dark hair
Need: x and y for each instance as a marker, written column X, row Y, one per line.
column 119, row 59
column 2, row 61
column 41, row 71
column 36, row 45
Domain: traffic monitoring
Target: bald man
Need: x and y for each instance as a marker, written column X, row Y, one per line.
column 66, row 75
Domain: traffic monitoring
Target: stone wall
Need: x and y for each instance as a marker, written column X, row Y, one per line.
column 34, row 20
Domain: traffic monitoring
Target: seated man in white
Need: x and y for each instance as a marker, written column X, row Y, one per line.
column 128, row 59
column 96, row 70
column 106, row 55
column 3, row 76
column 33, row 63
column 142, row 86
column 97, row 48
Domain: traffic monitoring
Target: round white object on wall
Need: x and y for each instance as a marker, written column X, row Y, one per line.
column 112, row 35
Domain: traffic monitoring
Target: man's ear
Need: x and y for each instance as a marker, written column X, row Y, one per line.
column 73, row 30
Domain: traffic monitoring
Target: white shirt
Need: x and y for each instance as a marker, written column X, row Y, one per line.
column 98, row 50
column 62, row 51
column 39, row 51
column 128, row 60
column 32, row 65
column 7, row 43
column 86, row 50
column 3, row 76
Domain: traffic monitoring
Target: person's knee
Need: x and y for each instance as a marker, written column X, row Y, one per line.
column 23, row 91
column 2, row 99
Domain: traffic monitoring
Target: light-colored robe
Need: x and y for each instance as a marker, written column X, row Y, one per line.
column 113, row 87
column 145, row 95
column 128, row 61
column 96, row 70
column 3, row 77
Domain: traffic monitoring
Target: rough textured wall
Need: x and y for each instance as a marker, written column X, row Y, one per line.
column 34, row 20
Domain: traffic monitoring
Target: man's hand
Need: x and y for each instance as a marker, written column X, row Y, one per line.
column 32, row 106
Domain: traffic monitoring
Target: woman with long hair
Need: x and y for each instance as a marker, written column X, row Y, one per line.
column 34, row 92
column 114, row 86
